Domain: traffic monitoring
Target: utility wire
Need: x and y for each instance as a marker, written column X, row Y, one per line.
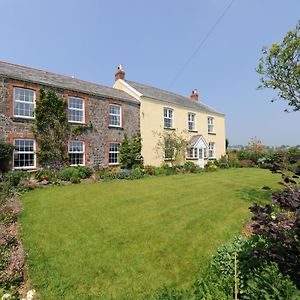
column 201, row 44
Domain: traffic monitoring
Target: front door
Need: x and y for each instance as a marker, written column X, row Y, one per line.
column 201, row 157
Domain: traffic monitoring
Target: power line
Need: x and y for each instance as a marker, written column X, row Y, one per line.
column 201, row 43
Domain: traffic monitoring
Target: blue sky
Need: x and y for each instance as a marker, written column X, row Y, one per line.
column 153, row 40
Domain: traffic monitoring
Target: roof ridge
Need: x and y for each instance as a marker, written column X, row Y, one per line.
column 191, row 101
column 160, row 89
column 54, row 73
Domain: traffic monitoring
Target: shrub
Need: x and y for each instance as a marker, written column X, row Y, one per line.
column 75, row 178
column 14, row 177
column 5, row 153
column 45, row 174
column 235, row 163
column 150, row 170
column 191, row 167
column 223, row 163
column 68, row 172
column 84, row 172
column 246, row 163
column 210, row 166
column 80, row 172
column 268, row 283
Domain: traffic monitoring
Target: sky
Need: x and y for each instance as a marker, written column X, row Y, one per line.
column 154, row 40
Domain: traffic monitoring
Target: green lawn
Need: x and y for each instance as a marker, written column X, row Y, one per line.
column 123, row 239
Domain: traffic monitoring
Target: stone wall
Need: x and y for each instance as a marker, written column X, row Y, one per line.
column 96, row 140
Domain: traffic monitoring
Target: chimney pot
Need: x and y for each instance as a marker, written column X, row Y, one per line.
column 120, row 74
column 195, row 95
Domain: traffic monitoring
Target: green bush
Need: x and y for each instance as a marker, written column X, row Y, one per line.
column 210, row 166
column 223, row 162
column 268, row 283
column 68, row 172
column 80, row 172
column 6, row 151
column 191, row 167
column 75, row 178
column 14, row 177
column 45, row 174
column 84, row 172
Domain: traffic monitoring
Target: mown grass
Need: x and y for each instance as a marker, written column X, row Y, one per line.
column 125, row 239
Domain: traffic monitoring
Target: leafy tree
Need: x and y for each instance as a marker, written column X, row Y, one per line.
column 130, row 151
column 51, row 130
column 172, row 145
column 280, row 68
column 256, row 146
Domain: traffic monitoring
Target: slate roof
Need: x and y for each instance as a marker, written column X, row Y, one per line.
column 55, row 80
column 169, row 97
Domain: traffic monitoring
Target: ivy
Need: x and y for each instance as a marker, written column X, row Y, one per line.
column 80, row 129
column 51, row 130
column 5, row 154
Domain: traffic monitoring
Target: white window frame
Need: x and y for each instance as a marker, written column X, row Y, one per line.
column 194, row 151
column 114, row 152
column 169, row 115
column 212, row 150
column 192, row 122
column 20, row 101
column 210, row 124
column 77, row 152
column 24, row 152
column 76, row 109
column 112, row 114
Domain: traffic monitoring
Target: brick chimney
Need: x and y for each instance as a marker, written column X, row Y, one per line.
column 120, row 73
column 195, row 95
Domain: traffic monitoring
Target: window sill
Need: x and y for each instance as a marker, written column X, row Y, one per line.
column 191, row 158
column 77, row 122
column 169, row 128
column 115, row 127
column 23, row 118
column 25, row 168
column 212, row 133
column 194, row 131
column 113, row 164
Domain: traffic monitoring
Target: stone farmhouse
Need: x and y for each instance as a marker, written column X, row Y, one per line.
column 111, row 112
column 129, row 107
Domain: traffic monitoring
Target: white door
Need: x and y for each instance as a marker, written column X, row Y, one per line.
column 201, row 157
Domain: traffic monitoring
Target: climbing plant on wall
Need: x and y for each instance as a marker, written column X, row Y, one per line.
column 51, row 130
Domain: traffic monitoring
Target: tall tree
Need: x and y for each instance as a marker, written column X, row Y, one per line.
column 280, row 68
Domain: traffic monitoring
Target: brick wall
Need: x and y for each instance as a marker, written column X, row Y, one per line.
column 96, row 110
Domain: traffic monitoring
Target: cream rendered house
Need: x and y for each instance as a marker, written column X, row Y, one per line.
column 161, row 110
